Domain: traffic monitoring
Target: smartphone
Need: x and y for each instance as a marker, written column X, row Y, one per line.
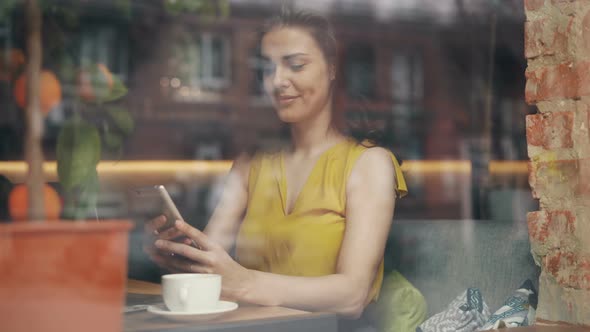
column 159, row 194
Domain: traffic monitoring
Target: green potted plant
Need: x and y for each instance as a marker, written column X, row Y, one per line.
column 61, row 275
column 62, row 270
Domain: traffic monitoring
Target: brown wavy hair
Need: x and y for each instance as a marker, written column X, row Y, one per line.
column 321, row 29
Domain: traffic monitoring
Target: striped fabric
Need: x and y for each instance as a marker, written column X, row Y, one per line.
column 518, row 310
column 467, row 313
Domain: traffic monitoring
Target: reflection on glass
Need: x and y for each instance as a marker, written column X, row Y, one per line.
column 412, row 67
column 201, row 65
column 360, row 71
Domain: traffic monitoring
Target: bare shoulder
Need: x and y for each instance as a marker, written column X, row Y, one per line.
column 241, row 168
column 374, row 165
column 242, row 162
column 375, row 159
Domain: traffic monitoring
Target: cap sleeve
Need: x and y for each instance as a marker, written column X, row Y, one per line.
column 401, row 187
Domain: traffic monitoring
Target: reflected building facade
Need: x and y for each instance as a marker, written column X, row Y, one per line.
column 440, row 79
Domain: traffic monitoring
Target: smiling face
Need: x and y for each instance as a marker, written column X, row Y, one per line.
column 297, row 76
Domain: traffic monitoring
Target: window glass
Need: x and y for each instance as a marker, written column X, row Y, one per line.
column 198, row 66
column 176, row 93
column 360, row 71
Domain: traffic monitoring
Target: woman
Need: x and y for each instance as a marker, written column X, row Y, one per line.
column 310, row 222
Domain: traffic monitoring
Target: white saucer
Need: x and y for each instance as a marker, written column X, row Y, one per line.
column 206, row 314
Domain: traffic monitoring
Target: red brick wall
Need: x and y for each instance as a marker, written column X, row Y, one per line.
column 557, row 46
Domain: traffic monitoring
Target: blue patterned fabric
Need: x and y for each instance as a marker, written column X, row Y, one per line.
column 518, row 309
column 467, row 313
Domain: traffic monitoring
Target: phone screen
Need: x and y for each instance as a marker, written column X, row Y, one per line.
column 157, row 197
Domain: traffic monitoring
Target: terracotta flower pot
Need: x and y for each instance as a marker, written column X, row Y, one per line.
column 63, row 276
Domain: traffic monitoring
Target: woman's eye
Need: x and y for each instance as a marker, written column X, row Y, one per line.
column 297, row 67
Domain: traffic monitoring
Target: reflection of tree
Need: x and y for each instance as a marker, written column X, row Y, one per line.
column 33, row 153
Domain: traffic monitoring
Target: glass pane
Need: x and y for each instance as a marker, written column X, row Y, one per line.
column 360, row 71
column 401, row 77
column 417, row 77
column 438, row 83
column 256, row 64
column 218, row 55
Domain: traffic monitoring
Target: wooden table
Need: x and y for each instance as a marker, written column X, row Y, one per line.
column 547, row 328
column 253, row 318
column 244, row 319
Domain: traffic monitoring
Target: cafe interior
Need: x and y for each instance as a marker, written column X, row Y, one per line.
column 171, row 92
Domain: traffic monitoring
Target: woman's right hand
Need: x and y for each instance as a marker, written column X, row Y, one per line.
column 154, row 230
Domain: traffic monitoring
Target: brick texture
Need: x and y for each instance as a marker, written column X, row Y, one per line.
column 565, row 81
column 566, row 308
column 566, row 7
column 557, row 48
column 586, row 33
column 583, row 184
column 543, row 225
column 570, row 269
column 553, row 179
column 532, row 5
column 550, row 131
column 546, row 37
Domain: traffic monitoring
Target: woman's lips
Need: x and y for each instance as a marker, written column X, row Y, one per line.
column 286, row 99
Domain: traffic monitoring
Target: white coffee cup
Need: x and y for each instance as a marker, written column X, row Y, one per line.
column 189, row 292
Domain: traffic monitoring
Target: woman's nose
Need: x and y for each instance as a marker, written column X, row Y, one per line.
column 280, row 79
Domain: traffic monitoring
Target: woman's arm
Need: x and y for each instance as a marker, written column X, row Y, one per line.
column 369, row 212
column 223, row 224
column 225, row 221
column 370, row 203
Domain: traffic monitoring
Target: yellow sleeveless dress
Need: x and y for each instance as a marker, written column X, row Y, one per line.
column 305, row 242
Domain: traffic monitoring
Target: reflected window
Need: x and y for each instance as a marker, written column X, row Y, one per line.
column 98, row 42
column 360, row 71
column 257, row 64
column 407, row 78
column 200, row 66
column 107, row 45
column 5, row 32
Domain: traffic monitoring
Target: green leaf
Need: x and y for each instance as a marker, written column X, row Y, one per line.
column 102, row 90
column 118, row 91
column 78, row 153
column 88, row 195
column 122, row 119
column 112, row 140
column 79, row 203
column 224, row 8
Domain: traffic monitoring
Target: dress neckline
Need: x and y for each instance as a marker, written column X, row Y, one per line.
column 282, row 181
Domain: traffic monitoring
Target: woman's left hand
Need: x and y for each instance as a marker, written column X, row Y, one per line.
column 206, row 257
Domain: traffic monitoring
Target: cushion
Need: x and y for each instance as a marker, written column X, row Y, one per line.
column 518, row 309
column 442, row 258
column 400, row 307
column 466, row 313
